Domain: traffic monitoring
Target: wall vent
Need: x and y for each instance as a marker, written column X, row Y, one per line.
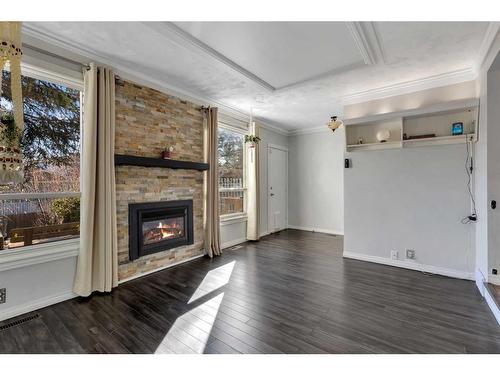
column 19, row 322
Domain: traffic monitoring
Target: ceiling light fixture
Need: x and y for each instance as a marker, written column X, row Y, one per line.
column 335, row 123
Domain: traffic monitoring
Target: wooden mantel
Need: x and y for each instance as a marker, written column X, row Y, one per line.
column 141, row 161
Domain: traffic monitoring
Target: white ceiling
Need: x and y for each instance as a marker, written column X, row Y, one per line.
column 281, row 53
column 294, row 75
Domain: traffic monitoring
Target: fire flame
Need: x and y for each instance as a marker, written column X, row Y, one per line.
column 166, row 230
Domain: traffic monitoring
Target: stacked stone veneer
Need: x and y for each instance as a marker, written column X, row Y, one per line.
column 147, row 121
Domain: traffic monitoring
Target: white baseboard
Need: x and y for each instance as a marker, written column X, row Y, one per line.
column 494, row 279
column 492, row 304
column 225, row 245
column 480, row 281
column 411, row 265
column 265, row 233
column 35, row 305
column 319, row 230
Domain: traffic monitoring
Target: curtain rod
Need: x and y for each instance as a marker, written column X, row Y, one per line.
column 50, row 54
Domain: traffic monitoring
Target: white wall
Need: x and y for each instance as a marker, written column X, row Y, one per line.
column 410, row 199
column 487, row 168
column 481, row 185
column 412, row 100
column 37, row 277
column 493, row 165
column 315, row 180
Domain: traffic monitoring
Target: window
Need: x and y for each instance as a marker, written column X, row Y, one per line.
column 46, row 205
column 231, row 171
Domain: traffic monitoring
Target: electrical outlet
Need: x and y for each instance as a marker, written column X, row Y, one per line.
column 410, row 254
column 394, row 254
column 3, row 295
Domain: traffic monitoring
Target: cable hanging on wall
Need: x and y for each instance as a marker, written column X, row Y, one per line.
column 469, row 168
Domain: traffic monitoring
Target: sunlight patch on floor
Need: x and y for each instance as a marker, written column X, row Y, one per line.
column 213, row 280
column 190, row 332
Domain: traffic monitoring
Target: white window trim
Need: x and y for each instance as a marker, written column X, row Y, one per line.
column 14, row 196
column 238, row 216
column 41, row 253
column 54, row 250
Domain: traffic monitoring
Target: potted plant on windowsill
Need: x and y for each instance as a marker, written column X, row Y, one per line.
column 167, row 152
column 252, row 140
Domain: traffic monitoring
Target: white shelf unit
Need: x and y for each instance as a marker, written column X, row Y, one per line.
column 437, row 119
column 367, row 131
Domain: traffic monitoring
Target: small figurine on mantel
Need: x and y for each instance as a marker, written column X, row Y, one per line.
column 167, row 152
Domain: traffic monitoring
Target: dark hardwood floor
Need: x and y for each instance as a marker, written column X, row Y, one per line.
column 289, row 293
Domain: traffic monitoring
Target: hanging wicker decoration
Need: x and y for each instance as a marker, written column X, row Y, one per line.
column 12, row 125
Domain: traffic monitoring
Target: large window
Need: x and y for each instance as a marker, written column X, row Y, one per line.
column 231, row 172
column 46, row 205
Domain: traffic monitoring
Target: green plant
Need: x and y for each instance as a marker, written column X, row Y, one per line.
column 67, row 209
column 10, row 132
column 249, row 138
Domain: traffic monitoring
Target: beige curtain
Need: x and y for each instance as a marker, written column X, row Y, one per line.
column 211, row 215
column 253, row 191
column 97, row 267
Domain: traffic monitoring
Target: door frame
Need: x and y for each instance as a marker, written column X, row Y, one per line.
column 285, row 149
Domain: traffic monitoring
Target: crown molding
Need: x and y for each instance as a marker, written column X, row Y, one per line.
column 407, row 87
column 375, row 41
column 370, row 53
column 271, row 126
column 486, row 55
column 87, row 55
column 183, row 39
column 304, row 131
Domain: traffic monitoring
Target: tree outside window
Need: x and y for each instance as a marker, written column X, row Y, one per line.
column 231, row 172
column 46, row 205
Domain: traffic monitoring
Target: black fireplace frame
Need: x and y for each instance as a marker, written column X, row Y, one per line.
column 138, row 211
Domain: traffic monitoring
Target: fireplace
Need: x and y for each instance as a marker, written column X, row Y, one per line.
column 159, row 226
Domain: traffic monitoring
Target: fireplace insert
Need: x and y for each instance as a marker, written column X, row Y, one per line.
column 159, row 226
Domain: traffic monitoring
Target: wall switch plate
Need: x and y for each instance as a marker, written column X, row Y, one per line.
column 410, row 254
column 3, row 295
column 394, row 254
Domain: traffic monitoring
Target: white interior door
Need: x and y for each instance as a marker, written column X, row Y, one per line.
column 277, row 167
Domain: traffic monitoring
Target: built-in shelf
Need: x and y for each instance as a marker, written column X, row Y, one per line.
column 443, row 140
column 436, row 119
column 374, row 146
column 141, row 161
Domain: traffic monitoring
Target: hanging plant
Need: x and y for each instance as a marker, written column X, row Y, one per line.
column 252, row 139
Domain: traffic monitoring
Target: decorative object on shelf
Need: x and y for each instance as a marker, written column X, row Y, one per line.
column 167, row 152
column 422, row 136
column 252, row 140
column 335, row 123
column 12, row 124
column 383, row 135
column 457, row 128
column 360, row 140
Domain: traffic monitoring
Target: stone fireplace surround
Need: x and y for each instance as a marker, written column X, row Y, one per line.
column 147, row 121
